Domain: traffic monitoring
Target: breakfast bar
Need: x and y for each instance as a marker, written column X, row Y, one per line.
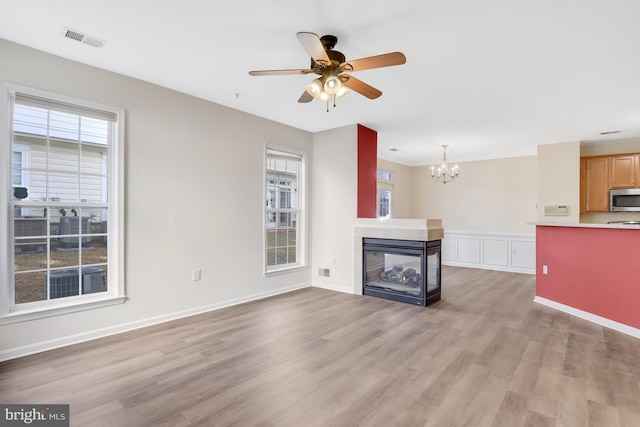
column 592, row 271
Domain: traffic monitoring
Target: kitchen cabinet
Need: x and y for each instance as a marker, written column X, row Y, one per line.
column 583, row 193
column 625, row 170
column 595, row 185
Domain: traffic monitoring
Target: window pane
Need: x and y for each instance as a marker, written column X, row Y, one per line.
column 93, row 189
column 271, row 257
column 384, row 203
column 64, row 157
column 94, row 130
column 271, row 239
column 30, row 254
column 31, row 120
column 63, row 187
column 383, row 175
column 64, row 252
column 98, row 222
column 64, row 283
column 291, row 254
column 94, row 279
column 30, row 287
column 96, row 253
column 291, row 237
column 281, row 256
column 16, row 163
column 64, row 125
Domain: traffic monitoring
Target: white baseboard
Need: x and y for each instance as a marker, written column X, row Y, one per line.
column 26, row 350
column 345, row 289
column 602, row 321
column 510, row 269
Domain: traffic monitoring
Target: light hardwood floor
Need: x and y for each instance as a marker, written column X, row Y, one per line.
column 486, row 355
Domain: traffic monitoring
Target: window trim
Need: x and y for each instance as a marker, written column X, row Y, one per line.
column 12, row 313
column 301, row 243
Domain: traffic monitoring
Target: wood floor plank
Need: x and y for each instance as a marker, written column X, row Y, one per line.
column 486, row 355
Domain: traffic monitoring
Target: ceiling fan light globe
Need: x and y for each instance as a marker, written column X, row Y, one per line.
column 342, row 92
column 332, row 85
column 315, row 88
column 324, row 97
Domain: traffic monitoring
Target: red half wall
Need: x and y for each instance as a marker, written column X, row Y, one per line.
column 596, row 270
column 367, row 169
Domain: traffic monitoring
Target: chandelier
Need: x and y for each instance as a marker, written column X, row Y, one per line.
column 444, row 173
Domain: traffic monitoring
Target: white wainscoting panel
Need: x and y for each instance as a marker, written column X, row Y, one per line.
column 502, row 252
column 468, row 250
column 495, row 252
column 523, row 253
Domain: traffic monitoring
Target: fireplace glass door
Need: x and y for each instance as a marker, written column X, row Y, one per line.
column 402, row 270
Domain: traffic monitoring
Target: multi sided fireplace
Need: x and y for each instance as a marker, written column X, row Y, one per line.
column 402, row 270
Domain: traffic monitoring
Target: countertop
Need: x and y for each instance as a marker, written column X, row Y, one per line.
column 585, row 225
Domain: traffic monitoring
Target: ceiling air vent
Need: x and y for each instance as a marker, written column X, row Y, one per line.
column 83, row 38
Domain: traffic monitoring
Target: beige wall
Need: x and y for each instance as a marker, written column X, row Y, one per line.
column 194, row 198
column 490, row 196
column 559, row 180
column 401, row 198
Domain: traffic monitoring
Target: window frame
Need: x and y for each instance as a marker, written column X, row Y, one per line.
column 115, row 294
column 301, row 227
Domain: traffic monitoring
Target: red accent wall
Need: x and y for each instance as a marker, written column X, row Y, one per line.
column 596, row 270
column 367, row 168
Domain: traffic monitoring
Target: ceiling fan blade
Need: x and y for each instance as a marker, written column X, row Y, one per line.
column 278, row 72
column 378, row 61
column 305, row 97
column 314, row 47
column 361, row 87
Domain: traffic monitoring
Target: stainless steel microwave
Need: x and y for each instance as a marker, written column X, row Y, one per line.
column 624, row 200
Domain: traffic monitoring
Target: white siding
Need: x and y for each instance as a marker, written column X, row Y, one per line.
column 63, row 181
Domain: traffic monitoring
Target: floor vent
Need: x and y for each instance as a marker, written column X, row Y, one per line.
column 83, row 38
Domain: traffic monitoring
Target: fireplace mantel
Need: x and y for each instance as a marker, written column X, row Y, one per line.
column 390, row 228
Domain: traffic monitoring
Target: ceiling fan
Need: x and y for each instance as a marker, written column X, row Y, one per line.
column 330, row 65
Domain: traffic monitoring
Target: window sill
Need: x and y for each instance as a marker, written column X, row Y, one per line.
column 25, row 315
column 285, row 270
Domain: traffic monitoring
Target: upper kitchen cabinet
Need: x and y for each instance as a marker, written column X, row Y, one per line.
column 625, row 170
column 594, row 185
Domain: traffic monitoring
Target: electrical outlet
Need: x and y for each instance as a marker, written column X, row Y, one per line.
column 196, row 274
column 545, row 269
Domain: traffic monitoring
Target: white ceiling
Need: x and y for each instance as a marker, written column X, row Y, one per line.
column 490, row 78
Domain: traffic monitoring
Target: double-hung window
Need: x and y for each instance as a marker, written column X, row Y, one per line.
column 63, row 221
column 284, row 209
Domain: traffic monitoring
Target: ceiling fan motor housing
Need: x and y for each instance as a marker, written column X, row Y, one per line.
column 336, row 58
